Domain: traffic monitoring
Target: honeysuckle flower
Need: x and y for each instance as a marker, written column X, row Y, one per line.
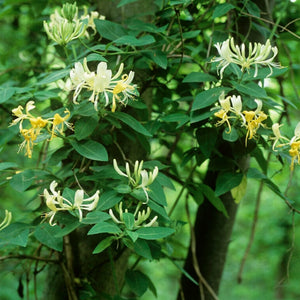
column 278, row 136
column 37, row 124
column 139, row 178
column 123, row 86
column 18, row 112
column 222, row 113
column 253, row 120
column 256, row 54
column 56, row 202
column 140, row 216
column 64, row 26
column 29, row 136
column 59, row 121
column 102, row 82
column 90, row 17
column 6, row 221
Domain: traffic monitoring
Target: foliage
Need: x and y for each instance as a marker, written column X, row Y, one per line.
column 111, row 116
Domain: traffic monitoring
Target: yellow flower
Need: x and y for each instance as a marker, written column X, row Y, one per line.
column 36, row 125
column 223, row 112
column 59, row 122
column 29, row 136
column 253, row 120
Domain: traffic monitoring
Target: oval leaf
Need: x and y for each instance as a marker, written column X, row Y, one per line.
column 91, row 150
column 154, row 233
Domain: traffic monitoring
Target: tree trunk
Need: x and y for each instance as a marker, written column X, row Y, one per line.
column 212, row 229
column 105, row 272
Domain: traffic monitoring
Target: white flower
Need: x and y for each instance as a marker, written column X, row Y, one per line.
column 6, row 221
column 102, row 82
column 140, row 216
column 257, row 54
column 56, row 202
column 65, row 26
column 140, row 178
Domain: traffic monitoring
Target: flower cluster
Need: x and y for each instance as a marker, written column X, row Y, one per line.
column 139, row 179
column 257, row 54
column 293, row 144
column 101, row 82
column 65, row 25
column 56, row 202
column 139, row 216
column 36, row 125
column 6, row 221
column 231, row 109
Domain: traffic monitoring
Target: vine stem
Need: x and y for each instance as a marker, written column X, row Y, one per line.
column 181, row 191
column 252, row 233
column 202, row 280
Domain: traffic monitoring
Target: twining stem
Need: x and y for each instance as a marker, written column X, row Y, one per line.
column 202, row 280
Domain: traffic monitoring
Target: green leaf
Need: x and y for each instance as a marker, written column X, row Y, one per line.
column 200, row 115
column 6, row 93
column 95, row 217
column 191, row 34
column 227, row 181
column 109, row 30
column 95, row 57
column 207, row 139
column 53, row 76
column 158, row 56
column 108, row 200
column 158, row 208
column 253, row 9
column 198, row 77
column 104, row 227
column 68, row 229
column 154, row 233
column 137, row 281
column 15, row 234
column 22, row 181
column 208, row 97
column 45, row 234
column 104, row 244
column 131, row 122
column 222, row 9
column 90, row 149
column 232, row 136
column 157, row 193
column 133, row 235
column 123, row 189
column 133, row 41
column 7, row 165
column 165, row 181
column 213, row 199
column 176, row 117
column 252, row 89
column 140, row 26
column 142, row 248
column 84, row 127
column 128, row 219
column 239, row 191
